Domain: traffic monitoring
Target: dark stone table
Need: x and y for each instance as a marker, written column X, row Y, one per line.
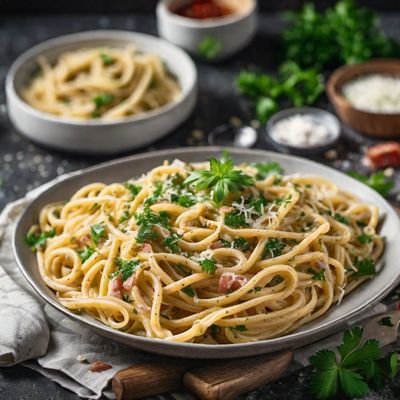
column 23, row 165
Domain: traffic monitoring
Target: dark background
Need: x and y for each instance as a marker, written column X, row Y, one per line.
column 101, row 6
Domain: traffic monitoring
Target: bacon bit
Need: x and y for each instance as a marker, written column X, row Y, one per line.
column 116, row 287
column 99, row 366
column 146, row 247
column 230, row 282
column 216, row 245
column 384, row 155
column 226, row 209
column 248, row 253
column 84, row 240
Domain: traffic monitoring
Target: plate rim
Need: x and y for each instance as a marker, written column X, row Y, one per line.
column 311, row 335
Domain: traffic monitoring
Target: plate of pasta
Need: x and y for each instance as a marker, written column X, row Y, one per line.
column 71, row 91
column 209, row 254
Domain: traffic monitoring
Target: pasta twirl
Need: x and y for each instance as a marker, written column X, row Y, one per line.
column 108, row 83
column 155, row 257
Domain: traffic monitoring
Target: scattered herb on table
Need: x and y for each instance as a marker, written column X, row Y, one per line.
column 222, row 178
column 210, row 47
column 386, row 321
column 377, row 181
column 358, row 367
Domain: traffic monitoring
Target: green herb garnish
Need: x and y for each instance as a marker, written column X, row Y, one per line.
column 238, row 243
column 273, row 248
column 365, row 267
column 316, row 275
column 100, row 101
column 210, row 47
column 267, row 169
column 377, row 181
column 341, row 218
column 86, row 253
column 37, row 242
column 386, row 321
column 125, row 216
column 146, row 221
column 222, row 178
column 134, row 189
column 106, row 58
column 364, row 238
column 156, row 195
column 125, row 268
column 189, row 291
column 235, row 220
column 208, row 265
column 171, row 242
column 358, row 367
column 97, row 232
column 238, row 328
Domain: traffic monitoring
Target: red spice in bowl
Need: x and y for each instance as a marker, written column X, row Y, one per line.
column 202, row 9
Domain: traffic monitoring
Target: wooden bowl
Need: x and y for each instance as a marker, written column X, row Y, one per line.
column 369, row 123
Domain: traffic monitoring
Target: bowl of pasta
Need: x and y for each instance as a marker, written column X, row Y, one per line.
column 100, row 91
column 187, row 253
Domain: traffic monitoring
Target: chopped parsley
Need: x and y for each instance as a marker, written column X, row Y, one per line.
column 86, row 253
column 125, row 216
column 210, row 47
column 214, row 330
column 189, row 291
column 134, row 189
column 273, row 248
column 267, row 169
column 386, row 321
column 156, row 194
column 171, row 242
column 125, row 268
column 316, row 275
column 100, row 101
column 283, row 200
column 341, row 218
column 238, row 243
column 377, row 181
column 37, row 242
column 235, row 219
column 106, row 58
column 238, row 328
column 276, row 280
column 146, row 221
column 365, row 267
column 183, row 200
column 126, row 297
column 97, row 232
column 208, row 265
column 364, row 238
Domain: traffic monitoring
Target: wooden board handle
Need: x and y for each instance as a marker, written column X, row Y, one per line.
column 149, row 379
column 227, row 379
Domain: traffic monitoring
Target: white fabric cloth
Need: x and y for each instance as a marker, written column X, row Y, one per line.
column 45, row 340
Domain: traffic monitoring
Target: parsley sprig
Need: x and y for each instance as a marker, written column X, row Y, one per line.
column 125, row 268
column 358, row 367
column 38, row 241
column 222, row 178
column 146, row 221
column 377, row 181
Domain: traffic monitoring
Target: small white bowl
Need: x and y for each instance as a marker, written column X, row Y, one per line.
column 97, row 136
column 233, row 31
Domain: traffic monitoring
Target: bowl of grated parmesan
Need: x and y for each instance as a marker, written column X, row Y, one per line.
column 366, row 96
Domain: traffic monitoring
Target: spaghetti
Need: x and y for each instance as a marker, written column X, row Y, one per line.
column 108, row 83
column 158, row 257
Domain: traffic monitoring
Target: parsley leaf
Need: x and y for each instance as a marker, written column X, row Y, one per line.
column 106, row 58
column 359, row 365
column 238, row 243
column 97, row 232
column 156, row 194
column 86, row 253
column 210, row 47
column 238, row 328
column 125, row 268
column 146, row 221
column 125, row 216
column 365, row 266
column 222, row 178
column 273, row 248
column 267, row 169
column 189, row 291
column 364, row 238
column 341, row 218
column 386, row 321
column 377, row 181
column 208, row 265
column 37, row 242
column 171, row 242
column 235, row 219
column 134, row 189
column 316, row 275
column 100, row 101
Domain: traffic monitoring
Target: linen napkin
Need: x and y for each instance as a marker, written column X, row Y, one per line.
column 46, row 341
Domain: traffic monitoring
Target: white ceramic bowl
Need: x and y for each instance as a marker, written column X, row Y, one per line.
column 233, row 31
column 96, row 136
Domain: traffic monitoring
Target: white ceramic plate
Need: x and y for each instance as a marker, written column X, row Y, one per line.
column 355, row 303
column 97, row 136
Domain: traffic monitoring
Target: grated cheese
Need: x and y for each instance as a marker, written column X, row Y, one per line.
column 301, row 130
column 374, row 93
